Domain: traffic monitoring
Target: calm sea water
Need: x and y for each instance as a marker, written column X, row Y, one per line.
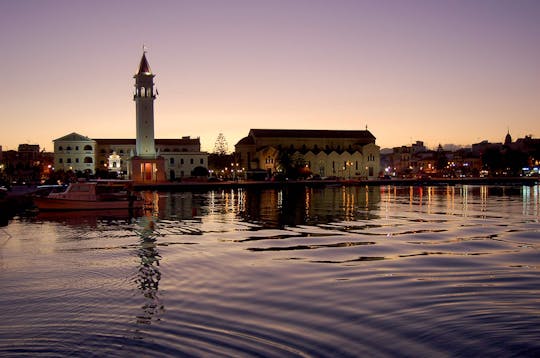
column 340, row 271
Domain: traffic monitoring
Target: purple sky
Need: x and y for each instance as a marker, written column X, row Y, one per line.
column 457, row 71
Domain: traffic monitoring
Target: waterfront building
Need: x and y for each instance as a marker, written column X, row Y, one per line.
column 181, row 156
column 74, row 152
column 27, row 164
column 340, row 153
column 144, row 158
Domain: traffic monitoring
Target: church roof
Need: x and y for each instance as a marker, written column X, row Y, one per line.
column 144, row 67
column 311, row 133
column 73, row 137
column 246, row 140
column 157, row 141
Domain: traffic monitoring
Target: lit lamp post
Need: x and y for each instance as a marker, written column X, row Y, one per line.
column 349, row 165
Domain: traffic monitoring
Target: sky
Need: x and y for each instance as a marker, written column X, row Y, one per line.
column 455, row 71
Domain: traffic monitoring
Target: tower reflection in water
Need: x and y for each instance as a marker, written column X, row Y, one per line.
column 149, row 275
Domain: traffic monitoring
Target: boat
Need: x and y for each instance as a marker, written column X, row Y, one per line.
column 92, row 195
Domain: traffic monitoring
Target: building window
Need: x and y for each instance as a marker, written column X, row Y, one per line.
column 202, row 161
column 182, row 161
column 191, row 160
column 60, row 148
column 68, row 160
column 87, row 147
column 60, row 160
column 88, row 160
column 171, row 160
column 76, row 147
column 68, row 147
column 76, row 160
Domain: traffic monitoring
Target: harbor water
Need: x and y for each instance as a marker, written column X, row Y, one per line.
column 336, row 271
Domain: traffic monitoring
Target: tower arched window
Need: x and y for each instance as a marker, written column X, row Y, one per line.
column 87, row 147
column 88, row 160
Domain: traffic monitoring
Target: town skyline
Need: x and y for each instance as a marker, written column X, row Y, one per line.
column 445, row 73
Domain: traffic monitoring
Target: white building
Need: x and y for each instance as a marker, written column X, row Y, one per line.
column 143, row 158
column 75, row 152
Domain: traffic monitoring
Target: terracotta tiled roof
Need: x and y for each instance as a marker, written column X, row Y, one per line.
column 73, row 137
column 311, row 133
column 181, row 141
column 167, row 141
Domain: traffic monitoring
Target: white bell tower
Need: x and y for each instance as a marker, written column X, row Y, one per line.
column 144, row 97
column 145, row 166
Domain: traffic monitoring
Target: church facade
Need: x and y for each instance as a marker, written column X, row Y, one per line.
column 339, row 153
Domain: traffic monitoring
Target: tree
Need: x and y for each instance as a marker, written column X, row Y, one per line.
column 221, row 147
column 441, row 159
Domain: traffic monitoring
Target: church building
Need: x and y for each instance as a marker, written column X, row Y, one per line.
column 143, row 159
column 326, row 153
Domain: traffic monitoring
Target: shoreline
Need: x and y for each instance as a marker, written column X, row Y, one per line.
column 195, row 185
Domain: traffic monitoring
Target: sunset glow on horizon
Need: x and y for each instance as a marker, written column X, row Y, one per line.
column 444, row 72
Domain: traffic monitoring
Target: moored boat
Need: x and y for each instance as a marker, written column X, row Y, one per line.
column 92, row 195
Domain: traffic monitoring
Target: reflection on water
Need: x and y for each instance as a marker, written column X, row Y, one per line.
column 336, row 271
column 273, row 208
column 149, row 275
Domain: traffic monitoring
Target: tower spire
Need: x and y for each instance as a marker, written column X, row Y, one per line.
column 144, row 67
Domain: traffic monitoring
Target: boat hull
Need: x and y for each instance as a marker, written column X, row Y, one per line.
column 46, row 203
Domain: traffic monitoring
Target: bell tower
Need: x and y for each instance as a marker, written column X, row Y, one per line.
column 144, row 97
column 145, row 166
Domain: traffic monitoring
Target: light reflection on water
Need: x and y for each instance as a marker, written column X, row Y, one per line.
column 337, row 271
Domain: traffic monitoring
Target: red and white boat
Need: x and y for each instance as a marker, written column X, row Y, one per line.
column 92, row 195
